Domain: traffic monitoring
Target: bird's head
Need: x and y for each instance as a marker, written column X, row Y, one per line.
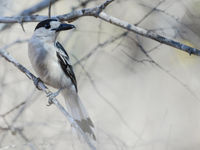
column 51, row 27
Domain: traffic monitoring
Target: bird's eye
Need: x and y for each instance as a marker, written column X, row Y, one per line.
column 47, row 26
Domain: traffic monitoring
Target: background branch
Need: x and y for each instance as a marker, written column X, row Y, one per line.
column 29, row 11
column 49, row 10
column 149, row 34
column 97, row 12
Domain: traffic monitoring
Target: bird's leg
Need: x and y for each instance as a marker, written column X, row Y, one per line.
column 36, row 82
column 51, row 96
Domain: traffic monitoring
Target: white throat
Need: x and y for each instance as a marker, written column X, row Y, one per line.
column 45, row 36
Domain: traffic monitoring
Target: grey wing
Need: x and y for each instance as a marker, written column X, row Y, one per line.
column 65, row 64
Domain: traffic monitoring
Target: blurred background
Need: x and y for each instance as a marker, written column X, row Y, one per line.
column 140, row 94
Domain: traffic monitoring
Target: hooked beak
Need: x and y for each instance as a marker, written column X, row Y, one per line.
column 65, row 26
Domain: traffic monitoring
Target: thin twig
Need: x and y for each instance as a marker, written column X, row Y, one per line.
column 184, row 85
column 82, row 4
column 106, row 100
column 31, row 10
column 15, row 42
column 13, row 109
column 49, row 12
column 91, row 52
column 149, row 13
column 11, row 126
column 37, row 7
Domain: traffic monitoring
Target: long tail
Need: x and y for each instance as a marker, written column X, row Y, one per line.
column 78, row 112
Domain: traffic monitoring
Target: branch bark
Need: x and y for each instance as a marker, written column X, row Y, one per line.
column 37, row 7
column 97, row 12
column 149, row 34
column 44, row 88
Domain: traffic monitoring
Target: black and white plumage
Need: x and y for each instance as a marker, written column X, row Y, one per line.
column 52, row 64
column 64, row 61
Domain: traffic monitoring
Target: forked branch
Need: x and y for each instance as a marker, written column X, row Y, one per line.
column 97, row 12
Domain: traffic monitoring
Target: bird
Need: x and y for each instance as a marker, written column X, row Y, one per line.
column 52, row 64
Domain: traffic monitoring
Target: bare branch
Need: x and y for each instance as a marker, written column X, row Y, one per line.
column 163, row 69
column 16, row 107
column 105, row 99
column 149, row 34
column 82, row 4
column 43, row 87
column 178, row 20
column 15, row 130
column 66, row 17
column 15, row 42
column 37, row 7
column 96, row 13
column 49, row 12
column 23, row 136
column 137, row 60
column 91, row 52
column 104, row 5
column 148, row 14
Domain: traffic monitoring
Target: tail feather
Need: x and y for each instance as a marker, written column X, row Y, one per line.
column 79, row 114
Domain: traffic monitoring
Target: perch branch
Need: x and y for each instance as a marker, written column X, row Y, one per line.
column 43, row 87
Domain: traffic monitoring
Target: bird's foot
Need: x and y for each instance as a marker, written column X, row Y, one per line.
column 36, row 82
column 51, row 96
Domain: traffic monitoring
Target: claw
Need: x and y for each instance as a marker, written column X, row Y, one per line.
column 51, row 96
column 50, row 101
column 36, row 82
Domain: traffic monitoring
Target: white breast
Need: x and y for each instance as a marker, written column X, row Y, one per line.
column 45, row 63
